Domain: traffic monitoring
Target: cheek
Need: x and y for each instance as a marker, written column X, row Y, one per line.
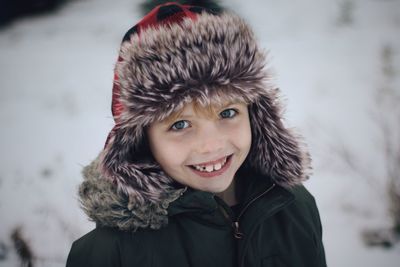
column 167, row 153
column 244, row 138
column 240, row 134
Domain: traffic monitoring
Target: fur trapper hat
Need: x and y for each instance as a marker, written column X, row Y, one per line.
column 177, row 54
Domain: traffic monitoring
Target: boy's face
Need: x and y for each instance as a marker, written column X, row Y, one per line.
column 202, row 151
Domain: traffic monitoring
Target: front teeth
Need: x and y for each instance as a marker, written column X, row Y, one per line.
column 217, row 166
column 210, row 168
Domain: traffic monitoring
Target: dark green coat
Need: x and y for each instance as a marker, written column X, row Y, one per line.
column 278, row 227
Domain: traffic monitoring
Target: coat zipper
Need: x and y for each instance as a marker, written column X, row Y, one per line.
column 237, row 233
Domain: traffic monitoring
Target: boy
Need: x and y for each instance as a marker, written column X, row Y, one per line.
column 199, row 169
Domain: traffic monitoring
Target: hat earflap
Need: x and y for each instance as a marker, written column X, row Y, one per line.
column 276, row 151
column 129, row 164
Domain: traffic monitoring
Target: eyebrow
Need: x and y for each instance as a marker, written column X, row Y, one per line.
column 216, row 108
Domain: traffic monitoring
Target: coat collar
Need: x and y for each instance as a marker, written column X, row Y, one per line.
column 108, row 206
column 260, row 197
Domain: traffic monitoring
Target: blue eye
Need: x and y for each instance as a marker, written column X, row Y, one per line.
column 179, row 125
column 228, row 113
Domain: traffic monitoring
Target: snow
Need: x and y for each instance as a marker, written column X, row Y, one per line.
column 56, row 76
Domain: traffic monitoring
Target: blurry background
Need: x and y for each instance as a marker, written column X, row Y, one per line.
column 336, row 62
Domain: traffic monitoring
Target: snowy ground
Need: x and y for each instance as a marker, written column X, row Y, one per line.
column 55, row 80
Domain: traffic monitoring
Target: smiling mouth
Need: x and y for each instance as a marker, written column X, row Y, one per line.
column 214, row 169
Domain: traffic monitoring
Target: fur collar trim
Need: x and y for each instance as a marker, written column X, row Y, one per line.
column 107, row 206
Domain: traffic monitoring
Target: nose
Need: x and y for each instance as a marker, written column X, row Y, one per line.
column 210, row 139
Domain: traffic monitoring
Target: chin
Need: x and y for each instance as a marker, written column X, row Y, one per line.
column 216, row 188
